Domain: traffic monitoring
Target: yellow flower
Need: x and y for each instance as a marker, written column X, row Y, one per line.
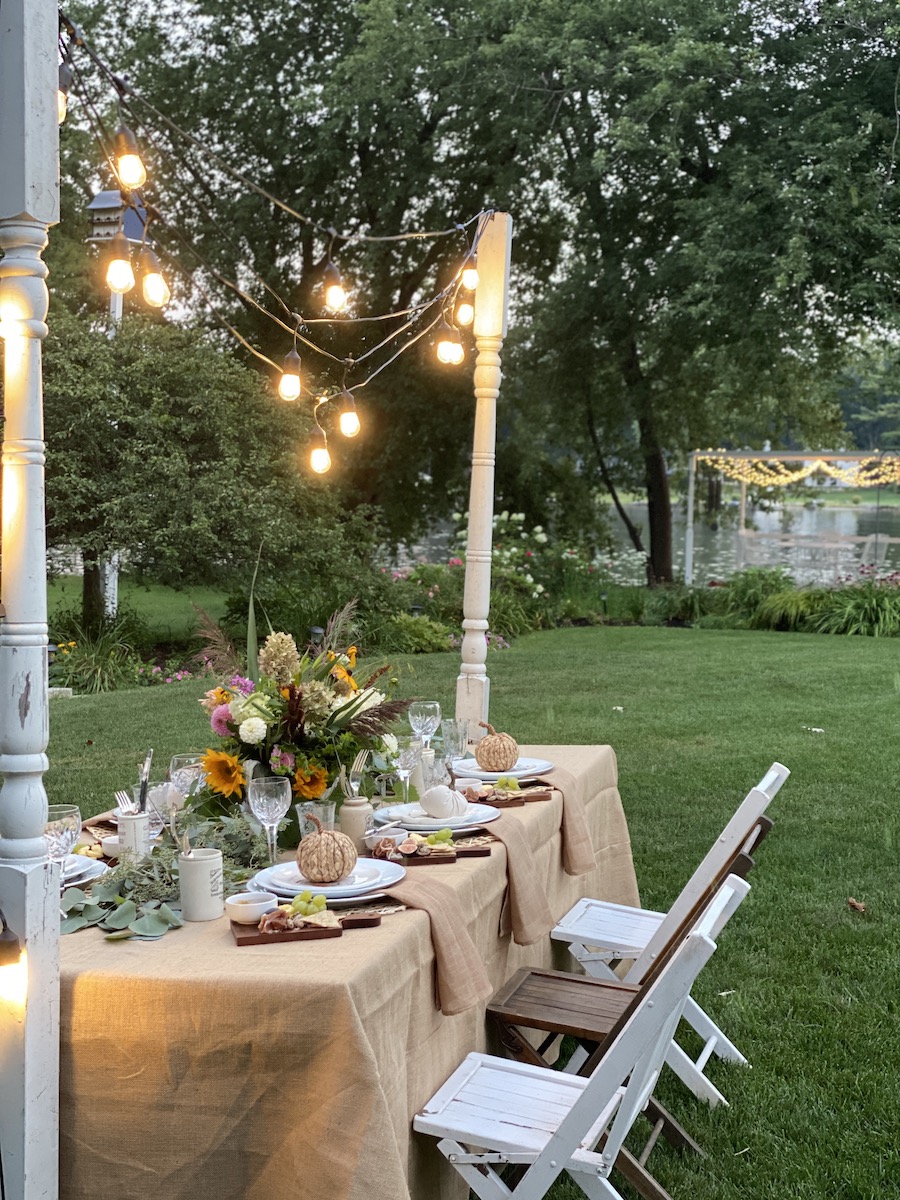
column 213, row 698
column 346, row 682
column 351, row 654
column 310, row 784
column 224, row 772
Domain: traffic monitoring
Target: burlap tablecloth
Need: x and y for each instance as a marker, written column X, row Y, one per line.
column 194, row 1070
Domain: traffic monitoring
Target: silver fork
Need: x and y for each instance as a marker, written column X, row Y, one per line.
column 127, row 804
column 357, row 770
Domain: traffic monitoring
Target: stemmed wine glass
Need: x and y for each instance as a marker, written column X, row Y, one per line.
column 270, row 800
column 185, row 772
column 409, row 750
column 62, row 830
column 455, row 734
column 424, row 717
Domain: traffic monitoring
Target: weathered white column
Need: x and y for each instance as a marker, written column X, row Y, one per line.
column 491, row 303
column 689, row 527
column 29, row 885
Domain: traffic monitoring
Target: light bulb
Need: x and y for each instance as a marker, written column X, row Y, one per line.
column 62, row 92
column 348, row 422
column 155, row 289
column 470, row 273
column 119, row 273
column 289, row 383
column 14, row 982
column 449, row 348
column 130, row 169
column 319, row 458
column 465, row 313
column 335, row 296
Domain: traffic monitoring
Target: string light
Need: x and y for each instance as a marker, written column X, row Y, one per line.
column 155, row 289
column 767, row 473
column 119, row 272
column 130, row 169
column 448, row 345
column 319, row 458
column 465, row 313
column 62, row 92
column 335, row 296
column 289, row 383
column 349, row 418
column 470, row 273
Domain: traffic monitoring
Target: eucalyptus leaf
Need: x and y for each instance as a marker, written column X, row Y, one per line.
column 151, row 924
column 72, row 898
column 119, row 936
column 173, row 918
column 105, row 893
column 122, row 917
column 93, row 913
column 73, row 924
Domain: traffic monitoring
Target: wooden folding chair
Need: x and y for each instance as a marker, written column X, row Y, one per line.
column 591, row 1010
column 492, row 1111
column 600, row 934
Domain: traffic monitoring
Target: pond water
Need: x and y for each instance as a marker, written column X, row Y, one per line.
column 815, row 544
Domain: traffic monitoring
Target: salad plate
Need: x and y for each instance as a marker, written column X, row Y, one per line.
column 524, row 768
column 412, row 817
column 334, row 902
column 86, row 870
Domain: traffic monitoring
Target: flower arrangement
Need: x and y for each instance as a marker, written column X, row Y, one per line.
column 305, row 717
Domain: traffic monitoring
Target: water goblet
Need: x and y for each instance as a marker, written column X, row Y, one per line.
column 456, row 734
column 186, row 772
column 408, row 753
column 424, row 718
column 270, row 800
column 61, row 830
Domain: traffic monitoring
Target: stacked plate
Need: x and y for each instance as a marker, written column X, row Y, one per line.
column 524, row 768
column 412, row 817
column 78, row 870
column 285, row 880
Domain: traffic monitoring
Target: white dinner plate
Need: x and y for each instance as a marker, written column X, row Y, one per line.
column 334, row 902
column 525, row 767
column 474, row 817
column 93, row 870
column 369, row 874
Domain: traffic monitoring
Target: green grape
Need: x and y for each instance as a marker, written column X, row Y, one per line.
column 307, row 896
column 432, row 839
column 445, row 835
column 319, row 902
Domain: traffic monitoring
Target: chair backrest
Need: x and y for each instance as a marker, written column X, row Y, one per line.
column 717, row 864
column 635, row 1052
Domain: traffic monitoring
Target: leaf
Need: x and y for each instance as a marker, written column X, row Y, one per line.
column 151, row 924
column 252, row 640
column 175, row 921
column 119, row 936
column 73, row 924
column 105, row 893
column 72, row 898
column 93, row 913
column 856, row 905
column 122, row 917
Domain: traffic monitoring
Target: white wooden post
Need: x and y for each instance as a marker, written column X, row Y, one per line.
column 491, row 300
column 742, row 533
column 689, row 527
column 29, row 884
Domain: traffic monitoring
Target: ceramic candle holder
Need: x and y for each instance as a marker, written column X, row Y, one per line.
column 202, row 885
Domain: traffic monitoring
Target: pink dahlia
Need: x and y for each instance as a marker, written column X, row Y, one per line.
column 220, row 719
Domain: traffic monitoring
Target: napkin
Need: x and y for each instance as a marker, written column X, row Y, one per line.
column 526, row 909
column 577, row 847
column 461, row 981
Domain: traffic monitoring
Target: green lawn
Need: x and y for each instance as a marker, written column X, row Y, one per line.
column 168, row 610
column 812, row 988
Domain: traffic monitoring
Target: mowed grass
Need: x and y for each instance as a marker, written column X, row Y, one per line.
column 169, row 611
column 807, row 987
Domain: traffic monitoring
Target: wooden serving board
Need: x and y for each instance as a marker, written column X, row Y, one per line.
column 249, row 935
column 446, row 856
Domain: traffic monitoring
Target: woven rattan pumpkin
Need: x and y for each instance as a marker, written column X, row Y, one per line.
column 327, row 855
column 496, row 751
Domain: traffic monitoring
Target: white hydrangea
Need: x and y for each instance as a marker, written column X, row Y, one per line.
column 390, row 743
column 252, row 731
column 541, row 538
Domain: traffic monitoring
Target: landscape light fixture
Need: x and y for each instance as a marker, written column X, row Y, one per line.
column 289, row 383
column 62, row 91
column 119, row 272
column 130, row 169
column 349, row 418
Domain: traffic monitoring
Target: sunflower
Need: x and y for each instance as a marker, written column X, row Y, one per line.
column 224, row 772
column 309, row 784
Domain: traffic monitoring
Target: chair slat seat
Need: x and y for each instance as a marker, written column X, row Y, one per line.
column 617, row 929
column 559, row 1002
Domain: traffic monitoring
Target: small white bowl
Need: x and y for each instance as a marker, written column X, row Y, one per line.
column 396, row 836
column 463, row 784
column 111, row 846
column 247, row 907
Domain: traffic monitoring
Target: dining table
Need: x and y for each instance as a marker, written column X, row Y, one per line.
column 193, row 1068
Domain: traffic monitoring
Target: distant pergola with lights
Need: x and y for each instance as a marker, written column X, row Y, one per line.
column 770, row 469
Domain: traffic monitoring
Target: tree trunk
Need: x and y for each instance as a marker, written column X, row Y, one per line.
column 91, row 592
column 659, row 510
column 633, row 532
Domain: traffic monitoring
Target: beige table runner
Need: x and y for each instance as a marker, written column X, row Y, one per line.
column 526, row 911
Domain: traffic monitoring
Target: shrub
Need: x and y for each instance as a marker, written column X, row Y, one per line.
column 871, row 609
column 92, row 663
column 746, row 590
column 681, row 604
column 406, row 634
column 790, row 611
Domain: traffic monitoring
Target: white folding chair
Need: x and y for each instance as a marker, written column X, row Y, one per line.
column 492, row 1111
column 600, row 933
